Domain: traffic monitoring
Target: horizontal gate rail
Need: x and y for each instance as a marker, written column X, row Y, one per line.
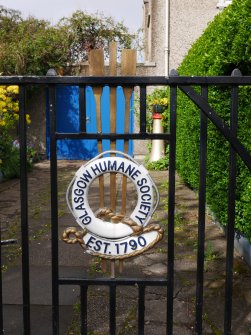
column 126, row 81
column 110, row 136
column 186, row 85
column 112, row 281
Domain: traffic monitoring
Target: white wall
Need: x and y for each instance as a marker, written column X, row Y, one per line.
column 188, row 20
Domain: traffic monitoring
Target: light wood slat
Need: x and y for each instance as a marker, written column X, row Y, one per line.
column 113, row 72
column 128, row 68
column 96, row 68
column 96, row 62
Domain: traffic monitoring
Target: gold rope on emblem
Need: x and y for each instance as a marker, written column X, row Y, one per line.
column 66, row 237
column 108, row 214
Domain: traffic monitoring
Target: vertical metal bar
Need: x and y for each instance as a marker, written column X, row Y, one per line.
column 24, row 212
column 141, row 310
column 142, row 109
column 1, row 287
column 83, row 317
column 54, row 209
column 171, row 206
column 201, row 214
column 112, row 309
column 82, row 109
column 231, row 212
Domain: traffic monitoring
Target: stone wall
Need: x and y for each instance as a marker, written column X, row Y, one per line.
column 36, row 131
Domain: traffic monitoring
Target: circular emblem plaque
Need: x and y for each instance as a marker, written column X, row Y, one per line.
column 126, row 236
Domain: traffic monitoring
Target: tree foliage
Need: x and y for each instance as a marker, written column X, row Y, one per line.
column 32, row 46
column 85, row 32
column 29, row 46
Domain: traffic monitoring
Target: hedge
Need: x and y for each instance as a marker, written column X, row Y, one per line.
column 224, row 46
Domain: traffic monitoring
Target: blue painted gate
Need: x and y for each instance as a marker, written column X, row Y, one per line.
column 67, row 114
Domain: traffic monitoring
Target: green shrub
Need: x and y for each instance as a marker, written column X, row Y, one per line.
column 9, row 156
column 224, row 46
column 159, row 165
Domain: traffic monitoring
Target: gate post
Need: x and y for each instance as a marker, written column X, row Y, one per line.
column 158, row 147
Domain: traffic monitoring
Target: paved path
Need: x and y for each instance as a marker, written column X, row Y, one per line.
column 73, row 262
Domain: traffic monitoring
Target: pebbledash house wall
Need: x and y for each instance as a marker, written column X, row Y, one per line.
column 188, row 19
column 168, row 35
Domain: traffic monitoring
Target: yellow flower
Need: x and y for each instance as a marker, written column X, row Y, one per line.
column 161, row 101
column 14, row 89
column 2, row 104
column 2, row 96
column 15, row 107
column 28, row 120
column 2, row 90
column 164, row 101
column 9, row 105
column 2, row 123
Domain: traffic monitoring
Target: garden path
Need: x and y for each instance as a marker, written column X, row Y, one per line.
column 153, row 263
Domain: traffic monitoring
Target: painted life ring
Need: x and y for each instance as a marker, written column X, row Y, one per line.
column 77, row 195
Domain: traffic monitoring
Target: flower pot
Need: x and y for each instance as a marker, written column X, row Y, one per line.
column 159, row 108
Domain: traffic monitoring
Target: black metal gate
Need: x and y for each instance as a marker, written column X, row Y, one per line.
column 186, row 85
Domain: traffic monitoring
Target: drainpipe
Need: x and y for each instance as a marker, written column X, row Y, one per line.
column 167, row 38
